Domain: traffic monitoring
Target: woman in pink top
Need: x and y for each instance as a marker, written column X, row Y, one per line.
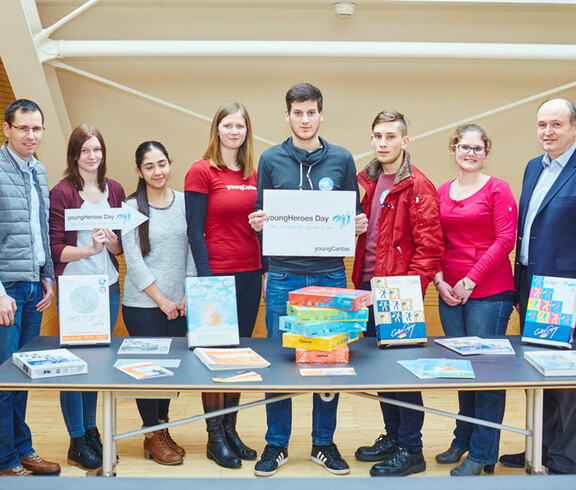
column 475, row 284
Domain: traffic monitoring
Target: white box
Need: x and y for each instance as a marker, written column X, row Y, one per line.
column 49, row 363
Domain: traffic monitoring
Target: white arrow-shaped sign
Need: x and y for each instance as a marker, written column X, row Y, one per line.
column 125, row 218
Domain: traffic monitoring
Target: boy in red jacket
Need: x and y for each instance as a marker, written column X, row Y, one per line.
column 404, row 237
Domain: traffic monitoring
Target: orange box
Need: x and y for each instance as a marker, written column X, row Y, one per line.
column 339, row 355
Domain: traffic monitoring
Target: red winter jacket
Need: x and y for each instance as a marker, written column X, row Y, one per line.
column 410, row 240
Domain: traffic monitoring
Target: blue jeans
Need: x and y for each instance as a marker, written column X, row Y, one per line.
column 79, row 407
column 15, row 437
column 279, row 414
column 482, row 319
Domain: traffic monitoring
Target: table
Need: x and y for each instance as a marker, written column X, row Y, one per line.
column 377, row 370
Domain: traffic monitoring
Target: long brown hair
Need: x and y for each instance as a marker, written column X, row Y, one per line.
column 141, row 195
column 79, row 136
column 246, row 151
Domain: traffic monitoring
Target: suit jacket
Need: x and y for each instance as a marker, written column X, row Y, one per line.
column 552, row 237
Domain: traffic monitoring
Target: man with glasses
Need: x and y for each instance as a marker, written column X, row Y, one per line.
column 404, row 237
column 303, row 161
column 546, row 246
column 26, row 273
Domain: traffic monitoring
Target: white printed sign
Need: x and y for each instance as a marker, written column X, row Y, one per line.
column 84, row 310
column 309, row 223
column 124, row 218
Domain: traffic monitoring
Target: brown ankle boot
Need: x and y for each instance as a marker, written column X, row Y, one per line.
column 157, row 447
column 177, row 448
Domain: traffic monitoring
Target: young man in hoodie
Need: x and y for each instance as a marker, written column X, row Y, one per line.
column 306, row 162
column 404, row 237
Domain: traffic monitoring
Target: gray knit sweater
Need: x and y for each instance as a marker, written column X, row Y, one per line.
column 169, row 261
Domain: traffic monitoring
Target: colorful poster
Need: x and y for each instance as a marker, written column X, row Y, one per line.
column 309, row 223
column 84, row 310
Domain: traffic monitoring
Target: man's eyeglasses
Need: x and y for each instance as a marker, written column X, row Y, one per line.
column 25, row 129
column 478, row 150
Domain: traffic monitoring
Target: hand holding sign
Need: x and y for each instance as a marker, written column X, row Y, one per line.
column 125, row 218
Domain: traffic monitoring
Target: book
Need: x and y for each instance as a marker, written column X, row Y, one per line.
column 144, row 370
column 233, row 358
column 49, row 363
column 145, row 346
column 439, row 368
column 345, row 371
column 211, row 311
column 467, row 346
column 398, row 310
column 550, row 313
column 309, row 329
column 340, row 355
column 318, row 343
column 553, row 363
column 84, row 310
column 312, row 314
column 327, row 297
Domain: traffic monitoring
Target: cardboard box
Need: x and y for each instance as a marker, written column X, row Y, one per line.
column 340, row 355
column 312, row 314
column 325, row 344
column 290, row 325
column 325, row 297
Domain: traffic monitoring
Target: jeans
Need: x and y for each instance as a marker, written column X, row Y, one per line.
column 15, row 437
column 279, row 414
column 248, row 294
column 79, row 407
column 482, row 319
column 152, row 322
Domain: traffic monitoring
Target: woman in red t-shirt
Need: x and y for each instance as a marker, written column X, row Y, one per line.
column 220, row 191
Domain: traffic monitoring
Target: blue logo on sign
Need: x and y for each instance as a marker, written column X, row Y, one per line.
column 326, row 184
column 343, row 219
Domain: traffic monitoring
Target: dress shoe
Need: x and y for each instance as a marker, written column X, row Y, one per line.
column 517, row 460
column 471, row 468
column 39, row 466
column 18, row 471
column 379, row 451
column 450, row 456
column 401, row 463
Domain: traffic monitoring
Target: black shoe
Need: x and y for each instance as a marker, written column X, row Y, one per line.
column 401, row 463
column 82, row 455
column 272, row 457
column 450, row 456
column 93, row 440
column 328, row 456
column 217, row 447
column 513, row 460
column 471, row 468
column 229, row 422
column 379, row 451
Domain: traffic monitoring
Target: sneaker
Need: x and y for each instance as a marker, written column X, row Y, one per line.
column 401, row 463
column 329, row 457
column 272, row 457
column 382, row 449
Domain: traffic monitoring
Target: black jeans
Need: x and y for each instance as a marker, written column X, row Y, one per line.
column 152, row 322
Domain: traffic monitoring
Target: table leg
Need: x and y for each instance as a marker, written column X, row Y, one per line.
column 537, row 431
column 108, row 430
column 529, row 427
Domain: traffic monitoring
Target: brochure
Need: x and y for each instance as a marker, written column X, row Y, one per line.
column 553, row 363
column 145, row 346
column 145, row 370
column 467, row 346
column 167, row 363
column 439, row 368
column 249, row 376
column 49, row 363
column 211, row 311
column 84, row 310
column 234, row 358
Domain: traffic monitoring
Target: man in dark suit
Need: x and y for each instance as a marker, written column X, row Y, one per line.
column 546, row 246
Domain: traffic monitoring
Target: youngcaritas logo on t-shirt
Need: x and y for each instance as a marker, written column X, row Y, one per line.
column 243, row 187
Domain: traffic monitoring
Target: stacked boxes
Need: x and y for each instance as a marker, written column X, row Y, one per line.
column 321, row 322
